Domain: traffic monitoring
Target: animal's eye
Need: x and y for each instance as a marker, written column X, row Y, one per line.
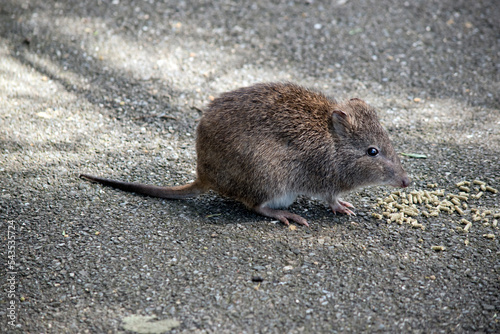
column 372, row 151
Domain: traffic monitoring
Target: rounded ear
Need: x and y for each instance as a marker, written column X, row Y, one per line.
column 358, row 101
column 341, row 122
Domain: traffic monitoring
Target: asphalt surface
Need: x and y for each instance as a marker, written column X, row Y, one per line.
column 115, row 88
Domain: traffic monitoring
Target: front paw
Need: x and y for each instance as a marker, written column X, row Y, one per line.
column 342, row 207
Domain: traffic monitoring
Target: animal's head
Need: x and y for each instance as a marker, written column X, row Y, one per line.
column 365, row 150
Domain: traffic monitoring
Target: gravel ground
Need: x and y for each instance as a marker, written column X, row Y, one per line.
column 115, row 88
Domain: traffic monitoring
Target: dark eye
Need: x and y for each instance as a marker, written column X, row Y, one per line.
column 372, row 151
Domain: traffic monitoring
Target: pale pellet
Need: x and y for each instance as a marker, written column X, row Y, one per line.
column 460, row 211
column 410, row 213
column 464, row 221
column 464, row 188
column 491, row 189
column 478, row 195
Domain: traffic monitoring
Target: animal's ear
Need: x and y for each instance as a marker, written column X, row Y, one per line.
column 341, row 122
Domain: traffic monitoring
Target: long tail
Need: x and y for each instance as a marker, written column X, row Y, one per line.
column 178, row 192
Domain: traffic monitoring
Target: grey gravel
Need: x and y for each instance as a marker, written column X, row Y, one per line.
column 115, row 88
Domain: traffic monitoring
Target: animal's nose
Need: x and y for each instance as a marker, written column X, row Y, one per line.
column 405, row 182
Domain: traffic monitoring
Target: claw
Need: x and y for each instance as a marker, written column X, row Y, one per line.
column 342, row 207
column 346, row 204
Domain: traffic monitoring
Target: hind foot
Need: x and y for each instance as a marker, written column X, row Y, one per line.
column 281, row 215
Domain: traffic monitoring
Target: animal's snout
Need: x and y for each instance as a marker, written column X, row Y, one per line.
column 405, row 181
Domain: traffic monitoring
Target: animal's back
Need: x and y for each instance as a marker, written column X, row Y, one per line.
column 262, row 141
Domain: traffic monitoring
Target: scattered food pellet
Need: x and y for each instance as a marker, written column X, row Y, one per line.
column 489, row 236
column 438, row 248
column 491, row 189
column 478, row 195
column 464, row 188
column 406, row 208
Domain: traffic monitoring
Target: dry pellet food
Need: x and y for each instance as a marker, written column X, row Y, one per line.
column 464, row 188
column 464, row 221
column 405, row 208
column 491, row 189
column 459, row 210
column 410, row 212
column 460, row 197
column 478, row 195
column 489, row 236
column 438, row 248
column 416, row 224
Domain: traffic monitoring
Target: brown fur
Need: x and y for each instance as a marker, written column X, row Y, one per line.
column 265, row 144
